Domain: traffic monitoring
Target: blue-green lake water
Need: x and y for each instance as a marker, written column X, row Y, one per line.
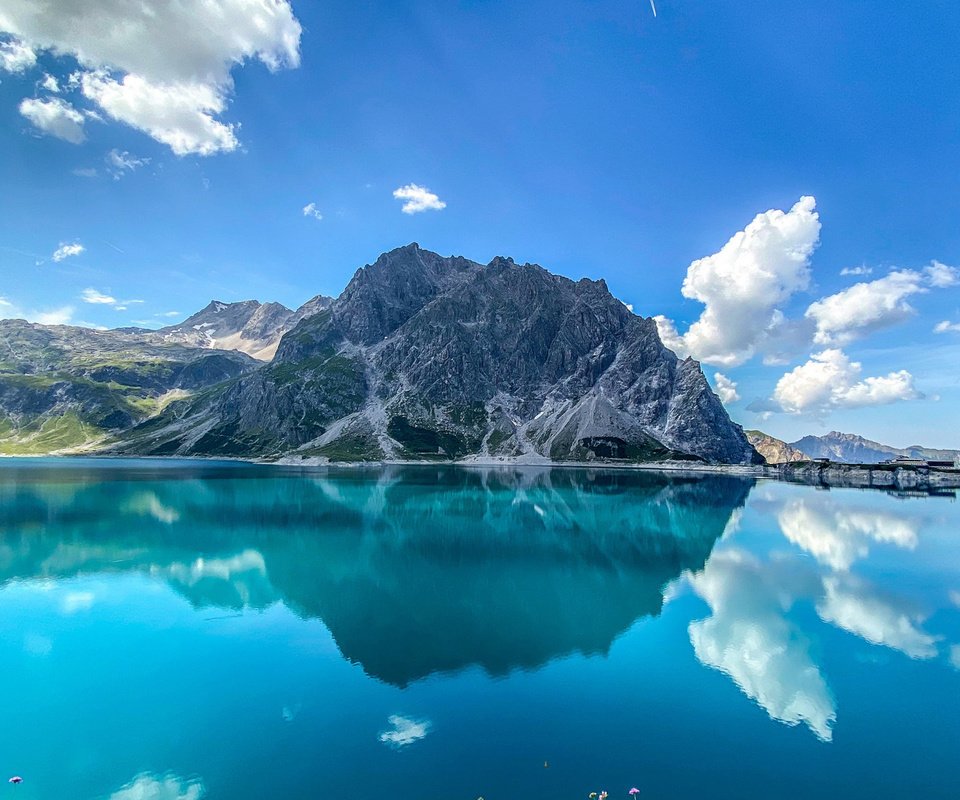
column 177, row 631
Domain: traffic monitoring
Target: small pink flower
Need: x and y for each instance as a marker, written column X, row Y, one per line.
column 634, row 791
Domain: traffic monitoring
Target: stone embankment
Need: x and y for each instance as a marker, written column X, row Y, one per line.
column 879, row 476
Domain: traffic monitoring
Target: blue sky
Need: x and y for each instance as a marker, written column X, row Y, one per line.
column 590, row 137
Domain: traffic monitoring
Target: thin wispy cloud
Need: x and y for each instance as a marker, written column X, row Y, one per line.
column 311, row 210
column 418, row 199
column 94, row 297
column 65, row 251
column 121, row 162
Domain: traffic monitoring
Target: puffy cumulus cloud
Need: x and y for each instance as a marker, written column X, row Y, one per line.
column 50, row 83
column 941, row 276
column 742, row 285
column 418, row 199
column 851, row 604
column 161, row 67
column 55, row 117
column 67, row 250
column 311, row 210
column 869, row 306
column 830, row 380
column 404, row 731
column 947, row 327
column 181, row 116
column 726, row 389
column 159, row 787
column 120, row 162
column 837, row 535
column 15, row 56
column 748, row 638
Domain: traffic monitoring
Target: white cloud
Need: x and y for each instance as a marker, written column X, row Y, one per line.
column 97, row 298
column 742, row 285
column 850, row 604
column 947, row 327
column 856, row 271
column 15, row 56
column 118, row 162
column 310, row 210
column 50, row 83
column 748, row 638
column 941, row 276
column 418, row 198
column 404, row 731
column 56, row 117
column 58, row 316
column 161, row 67
column 870, row 306
column 955, row 656
column 726, row 388
column 67, row 250
column 830, row 380
column 159, row 787
column 180, row 116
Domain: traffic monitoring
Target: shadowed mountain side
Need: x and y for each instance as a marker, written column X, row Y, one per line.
column 413, row 570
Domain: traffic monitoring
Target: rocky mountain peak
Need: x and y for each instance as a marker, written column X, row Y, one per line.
column 430, row 356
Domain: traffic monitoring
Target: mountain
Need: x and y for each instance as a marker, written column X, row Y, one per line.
column 774, row 451
column 64, row 387
column 848, row 447
column 249, row 326
column 425, row 357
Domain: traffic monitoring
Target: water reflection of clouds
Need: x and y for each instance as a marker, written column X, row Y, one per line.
column 850, row 603
column 838, row 536
column 404, row 731
column 748, row 638
column 750, row 635
column 159, row 787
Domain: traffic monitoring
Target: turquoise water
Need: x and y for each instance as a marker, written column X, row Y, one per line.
column 176, row 631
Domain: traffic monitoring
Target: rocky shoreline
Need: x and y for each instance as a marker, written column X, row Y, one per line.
column 866, row 476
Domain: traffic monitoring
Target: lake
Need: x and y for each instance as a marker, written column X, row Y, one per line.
column 184, row 630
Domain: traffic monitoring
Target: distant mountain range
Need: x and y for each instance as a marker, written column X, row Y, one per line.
column 842, row 447
column 249, row 326
column 421, row 357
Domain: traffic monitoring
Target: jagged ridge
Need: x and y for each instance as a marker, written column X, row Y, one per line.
column 430, row 357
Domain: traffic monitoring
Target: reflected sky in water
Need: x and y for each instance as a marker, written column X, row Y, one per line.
column 180, row 631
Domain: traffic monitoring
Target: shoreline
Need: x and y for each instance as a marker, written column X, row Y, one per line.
column 829, row 475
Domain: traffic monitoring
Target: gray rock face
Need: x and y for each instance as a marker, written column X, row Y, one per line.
column 430, row 357
column 249, row 326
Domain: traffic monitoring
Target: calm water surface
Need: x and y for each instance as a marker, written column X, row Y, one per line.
column 177, row 631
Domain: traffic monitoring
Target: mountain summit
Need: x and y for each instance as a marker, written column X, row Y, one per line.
column 425, row 356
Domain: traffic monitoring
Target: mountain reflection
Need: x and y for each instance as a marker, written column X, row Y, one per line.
column 414, row 570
